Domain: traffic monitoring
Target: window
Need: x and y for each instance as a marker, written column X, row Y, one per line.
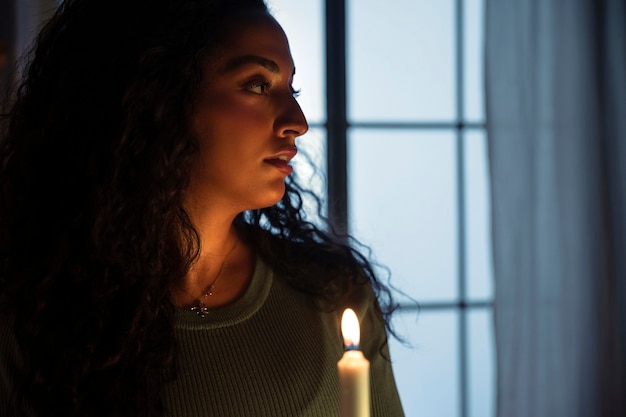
column 409, row 167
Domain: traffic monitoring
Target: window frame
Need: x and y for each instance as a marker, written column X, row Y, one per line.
column 337, row 126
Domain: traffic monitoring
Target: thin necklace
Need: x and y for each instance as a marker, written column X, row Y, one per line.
column 202, row 309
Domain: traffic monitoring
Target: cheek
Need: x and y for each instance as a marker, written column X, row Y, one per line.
column 231, row 138
column 227, row 129
column 225, row 114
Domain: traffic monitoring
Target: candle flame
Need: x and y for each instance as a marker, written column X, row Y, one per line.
column 350, row 329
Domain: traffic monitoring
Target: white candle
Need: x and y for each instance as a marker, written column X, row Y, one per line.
column 354, row 370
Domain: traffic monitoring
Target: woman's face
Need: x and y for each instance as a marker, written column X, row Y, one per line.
column 246, row 119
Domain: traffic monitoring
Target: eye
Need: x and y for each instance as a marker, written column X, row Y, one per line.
column 259, row 87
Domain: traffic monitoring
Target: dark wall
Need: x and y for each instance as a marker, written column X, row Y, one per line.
column 7, row 43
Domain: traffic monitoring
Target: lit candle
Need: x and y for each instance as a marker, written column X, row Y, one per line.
column 354, row 370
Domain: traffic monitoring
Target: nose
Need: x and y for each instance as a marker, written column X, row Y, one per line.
column 291, row 123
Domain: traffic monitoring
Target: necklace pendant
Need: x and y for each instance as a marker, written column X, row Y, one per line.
column 201, row 310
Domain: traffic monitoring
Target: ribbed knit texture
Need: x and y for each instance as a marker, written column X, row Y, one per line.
column 273, row 354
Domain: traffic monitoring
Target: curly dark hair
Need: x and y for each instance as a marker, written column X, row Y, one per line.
column 95, row 157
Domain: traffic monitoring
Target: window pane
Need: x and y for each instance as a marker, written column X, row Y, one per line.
column 403, row 204
column 400, row 60
column 427, row 371
column 477, row 217
column 473, row 75
column 30, row 16
column 481, row 364
column 303, row 23
column 310, row 168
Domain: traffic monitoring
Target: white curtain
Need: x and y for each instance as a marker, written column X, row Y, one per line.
column 556, row 123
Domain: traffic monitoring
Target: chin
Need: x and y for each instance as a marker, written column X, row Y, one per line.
column 273, row 196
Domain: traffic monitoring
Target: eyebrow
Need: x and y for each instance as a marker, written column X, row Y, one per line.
column 244, row 60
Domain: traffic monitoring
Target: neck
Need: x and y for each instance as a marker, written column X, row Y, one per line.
column 223, row 268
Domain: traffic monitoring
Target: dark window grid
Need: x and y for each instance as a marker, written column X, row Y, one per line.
column 460, row 168
column 336, row 148
column 463, row 306
column 432, row 306
column 336, row 114
column 418, row 125
column 406, row 125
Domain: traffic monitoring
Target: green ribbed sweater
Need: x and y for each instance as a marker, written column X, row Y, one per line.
column 269, row 354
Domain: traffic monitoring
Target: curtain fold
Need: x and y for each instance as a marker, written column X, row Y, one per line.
column 555, row 77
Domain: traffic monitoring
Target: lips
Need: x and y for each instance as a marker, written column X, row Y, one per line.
column 281, row 159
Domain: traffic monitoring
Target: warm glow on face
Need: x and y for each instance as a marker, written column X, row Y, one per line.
column 350, row 328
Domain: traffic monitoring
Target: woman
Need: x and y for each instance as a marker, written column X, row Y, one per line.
column 155, row 260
